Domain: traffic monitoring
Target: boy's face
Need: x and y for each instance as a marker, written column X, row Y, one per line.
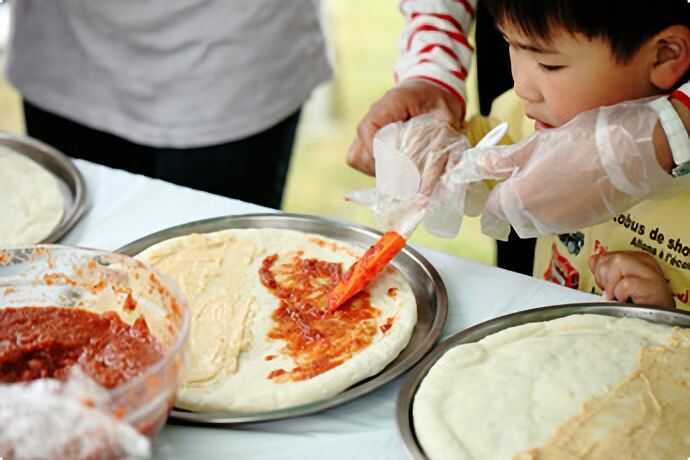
column 571, row 74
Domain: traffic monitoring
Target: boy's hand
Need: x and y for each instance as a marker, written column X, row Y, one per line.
column 631, row 275
column 560, row 180
column 407, row 100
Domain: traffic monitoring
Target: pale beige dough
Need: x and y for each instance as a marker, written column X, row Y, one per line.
column 515, row 390
column 31, row 203
column 231, row 316
column 646, row 417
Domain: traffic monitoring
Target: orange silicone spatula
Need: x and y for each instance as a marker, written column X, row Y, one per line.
column 366, row 268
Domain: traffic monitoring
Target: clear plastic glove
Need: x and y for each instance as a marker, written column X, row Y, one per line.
column 411, row 157
column 48, row 419
column 560, row 180
column 409, row 99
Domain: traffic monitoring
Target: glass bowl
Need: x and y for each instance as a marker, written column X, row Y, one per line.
column 99, row 281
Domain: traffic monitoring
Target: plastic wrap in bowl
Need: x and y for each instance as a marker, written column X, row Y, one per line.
column 98, row 281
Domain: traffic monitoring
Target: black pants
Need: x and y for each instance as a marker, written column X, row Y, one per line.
column 253, row 169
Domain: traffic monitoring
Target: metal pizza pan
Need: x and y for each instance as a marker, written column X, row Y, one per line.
column 70, row 181
column 410, row 385
column 426, row 283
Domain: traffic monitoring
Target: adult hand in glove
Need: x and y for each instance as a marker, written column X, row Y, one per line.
column 411, row 157
column 407, row 100
column 560, row 180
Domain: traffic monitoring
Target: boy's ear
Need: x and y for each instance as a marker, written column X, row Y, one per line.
column 672, row 57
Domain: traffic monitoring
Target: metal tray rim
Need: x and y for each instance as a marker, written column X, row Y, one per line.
column 408, row 389
column 357, row 390
column 69, row 174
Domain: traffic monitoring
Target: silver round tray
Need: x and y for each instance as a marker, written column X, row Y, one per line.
column 429, row 290
column 475, row 333
column 70, row 180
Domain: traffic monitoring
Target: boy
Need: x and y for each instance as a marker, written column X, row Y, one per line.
column 568, row 58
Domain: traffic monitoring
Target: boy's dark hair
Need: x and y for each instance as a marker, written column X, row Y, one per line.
column 625, row 24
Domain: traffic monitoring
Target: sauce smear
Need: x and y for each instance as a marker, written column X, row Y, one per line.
column 316, row 339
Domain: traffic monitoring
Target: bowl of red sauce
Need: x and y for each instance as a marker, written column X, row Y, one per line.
column 121, row 322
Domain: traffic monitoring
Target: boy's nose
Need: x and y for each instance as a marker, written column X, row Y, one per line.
column 526, row 91
column 524, row 85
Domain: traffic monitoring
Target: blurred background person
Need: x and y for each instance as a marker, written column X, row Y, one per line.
column 201, row 93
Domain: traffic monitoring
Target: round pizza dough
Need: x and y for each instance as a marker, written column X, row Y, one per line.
column 230, row 355
column 31, row 205
column 579, row 387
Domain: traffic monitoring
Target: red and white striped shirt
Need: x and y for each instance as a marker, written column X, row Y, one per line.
column 434, row 45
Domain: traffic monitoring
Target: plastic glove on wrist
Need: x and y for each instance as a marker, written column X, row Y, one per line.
column 561, row 180
column 410, row 158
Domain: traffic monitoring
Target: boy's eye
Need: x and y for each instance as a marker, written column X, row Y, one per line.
column 551, row 68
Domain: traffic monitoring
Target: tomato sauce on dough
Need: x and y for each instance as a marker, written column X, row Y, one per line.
column 316, row 339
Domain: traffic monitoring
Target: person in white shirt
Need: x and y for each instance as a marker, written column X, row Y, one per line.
column 203, row 93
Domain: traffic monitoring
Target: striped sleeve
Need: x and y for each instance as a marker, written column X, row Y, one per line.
column 434, row 45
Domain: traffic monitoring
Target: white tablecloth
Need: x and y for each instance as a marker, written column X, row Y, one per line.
column 124, row 207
